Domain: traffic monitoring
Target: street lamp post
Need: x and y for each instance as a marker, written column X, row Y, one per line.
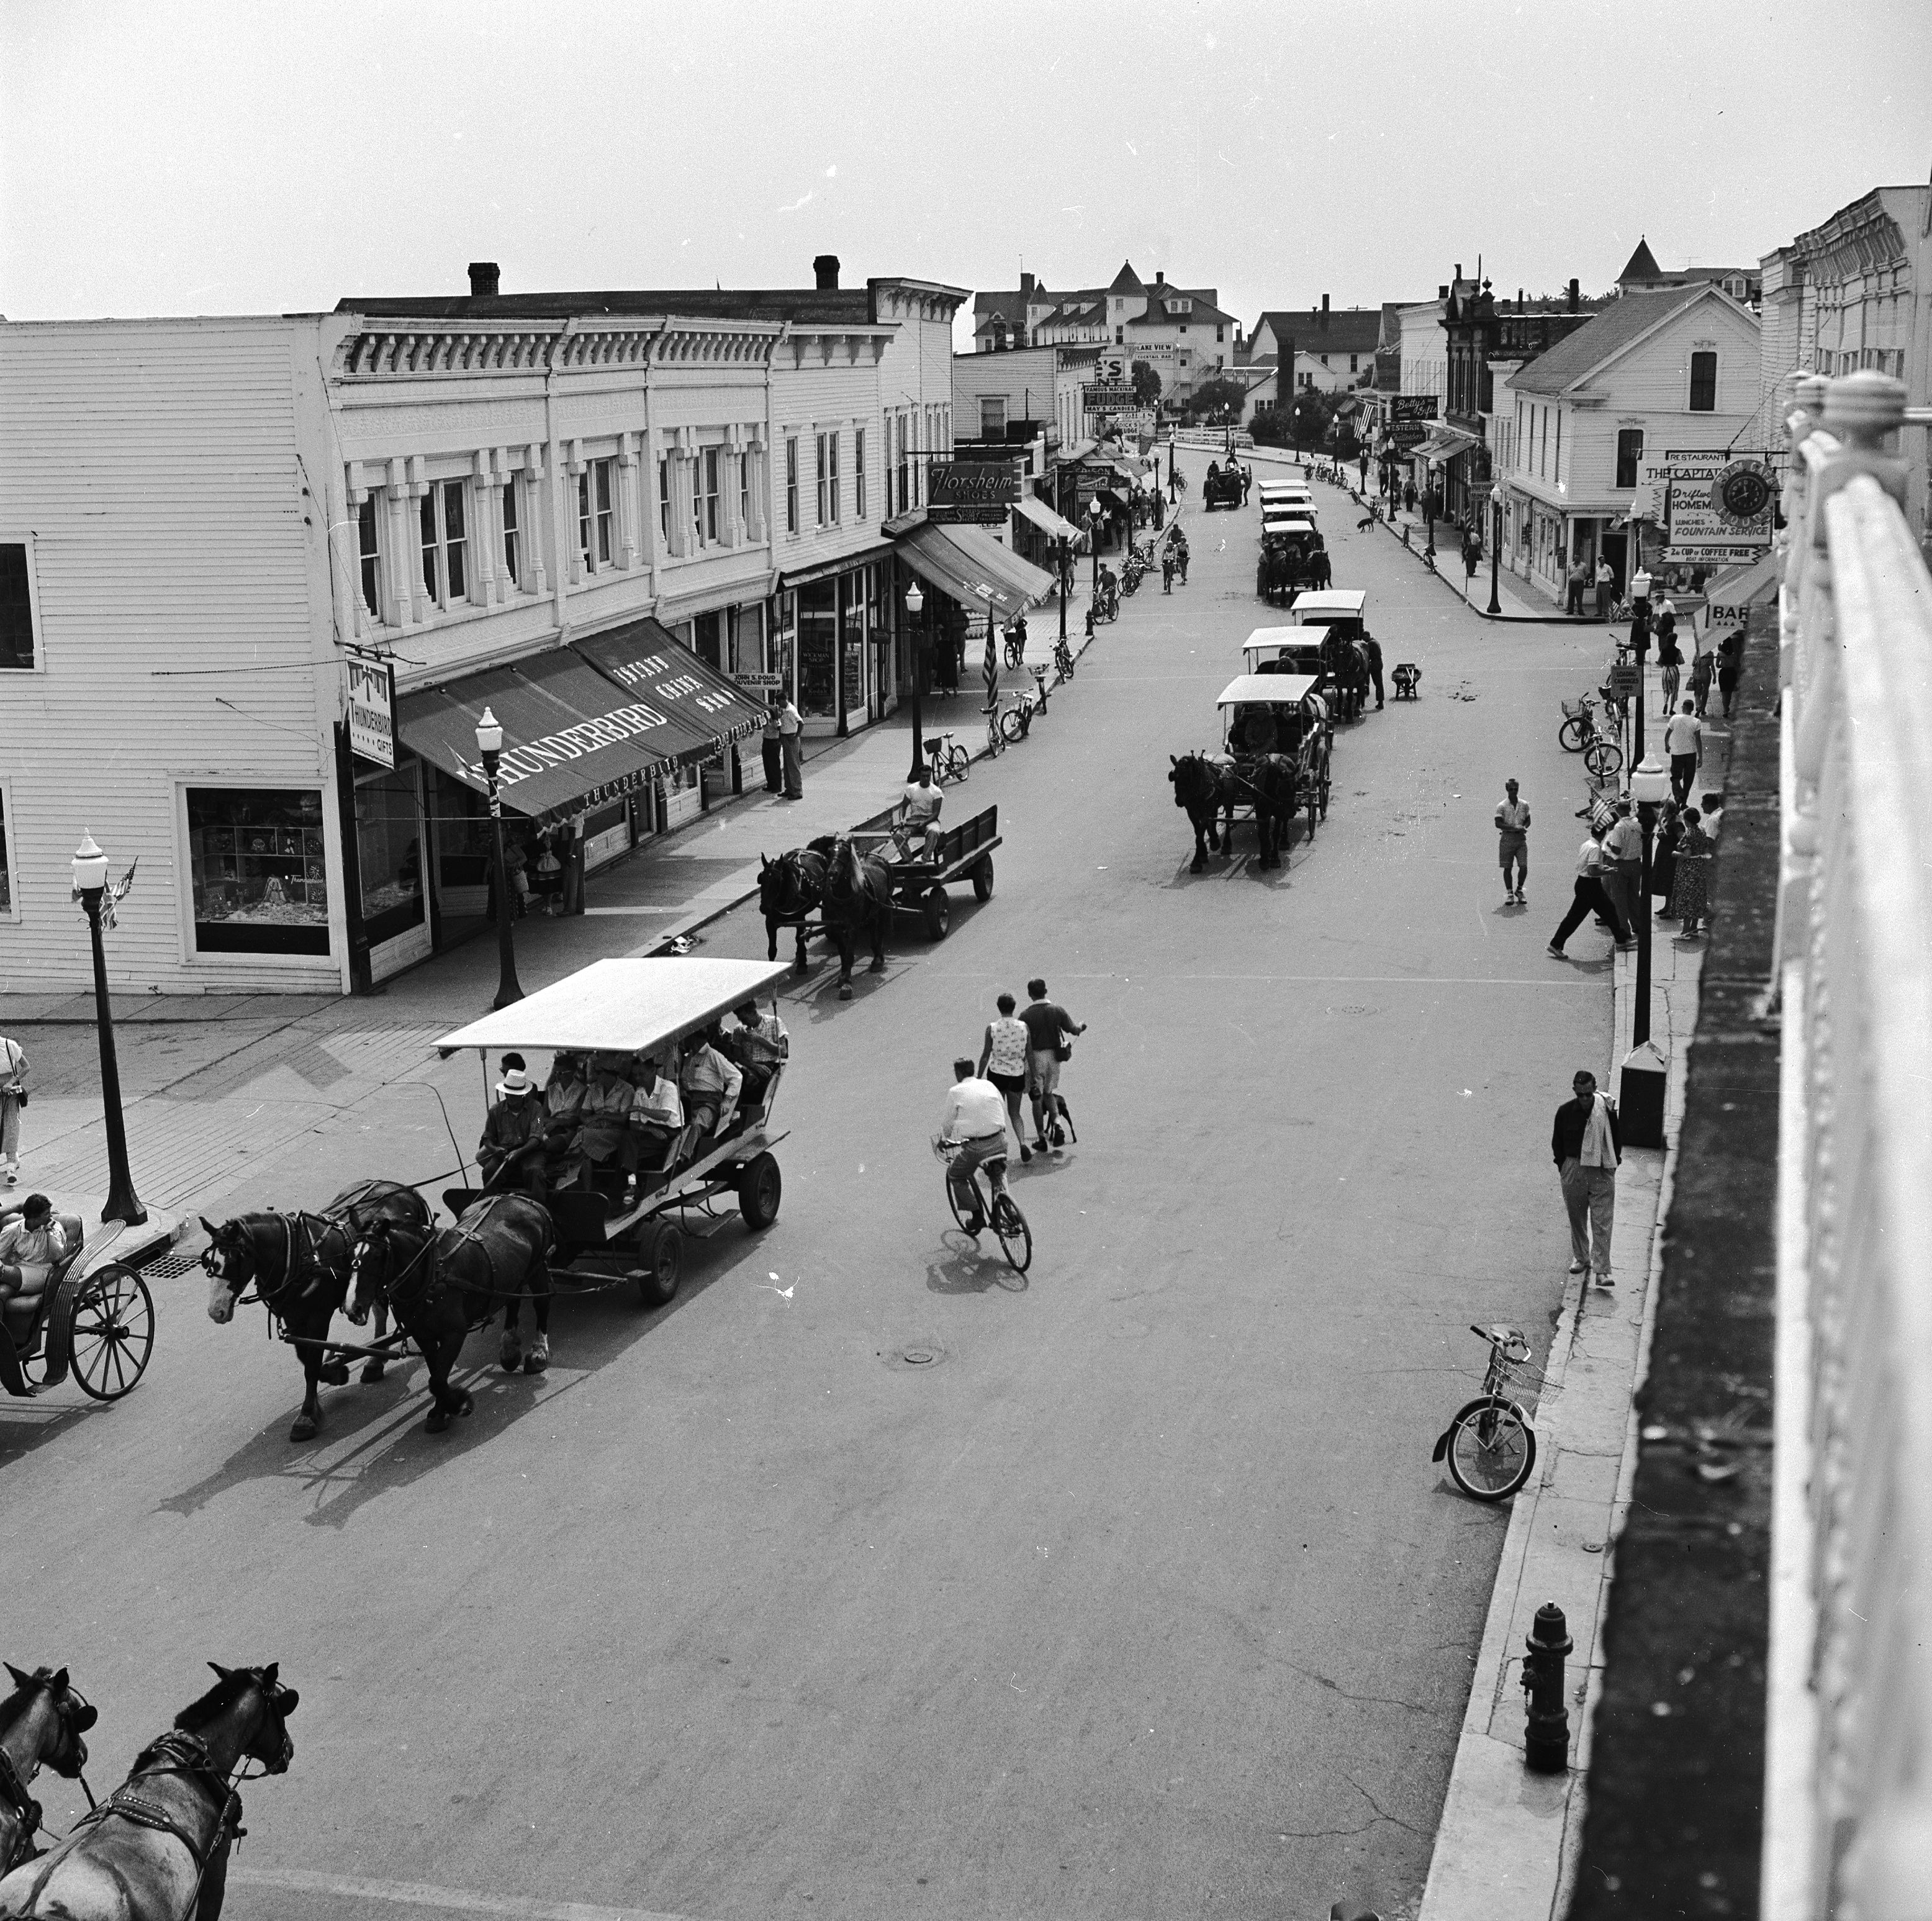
column 1095, row 513
column 1428, row 509
column 490, row 745
column 90, row 883
column 1495, row 543
column 1640, row 1097
column 915, row 603
column 1640, row 646
column 1064, row 555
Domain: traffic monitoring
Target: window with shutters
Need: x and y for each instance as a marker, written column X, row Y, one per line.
column 791, row 484
column 704, row 496
column 513, row 532
column 859, row 472
column 17, row 606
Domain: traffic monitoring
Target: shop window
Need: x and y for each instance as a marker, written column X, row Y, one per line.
column 7, row 909
column 369, row 554
column 1703, row 382
column 1630, row 451
column 704, row 496
column 791, row 484
column 704, row 638
column 513, row 534
column 444, row 544
column 817, row 649
column 859, row 472
column 388, row 849
column 258, row 869
column 594, row 514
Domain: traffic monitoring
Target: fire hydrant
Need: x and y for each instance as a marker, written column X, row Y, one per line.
column 1546, row 1730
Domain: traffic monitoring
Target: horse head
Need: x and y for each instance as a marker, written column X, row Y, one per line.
column 266, row 1740
column 73, row 1715
column 229, row 1260
column 1192, row 781
column 371, row 1263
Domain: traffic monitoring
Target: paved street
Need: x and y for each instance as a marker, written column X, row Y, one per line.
column 1142, row 1597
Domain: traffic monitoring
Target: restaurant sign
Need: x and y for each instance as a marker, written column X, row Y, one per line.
column 1408, row 416
column 1716, row 504
column 372, row 709
column 980, row 491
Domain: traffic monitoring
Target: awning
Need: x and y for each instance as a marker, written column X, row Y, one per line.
column 1112, row 499
column 824, row 570
column 1442, row 443
column 687, row 694
column 572, row 740
column 949, row 559
column 1054, row 526
column 1756, row 583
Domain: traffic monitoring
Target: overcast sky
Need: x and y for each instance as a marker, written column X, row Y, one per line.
column 209, row 158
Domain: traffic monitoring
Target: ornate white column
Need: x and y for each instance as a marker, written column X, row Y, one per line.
column 534, row 519
column 629, row 548
column 485, row 532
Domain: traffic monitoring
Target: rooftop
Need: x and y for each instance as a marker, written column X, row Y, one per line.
column 1609, row 332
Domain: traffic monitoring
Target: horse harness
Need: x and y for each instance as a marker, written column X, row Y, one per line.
column 189, row 1755
column 13, row 1792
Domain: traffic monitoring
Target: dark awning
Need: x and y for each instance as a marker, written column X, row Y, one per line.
column 571, row 739
column 689, row 696
column 973, row 568
column 823, row 570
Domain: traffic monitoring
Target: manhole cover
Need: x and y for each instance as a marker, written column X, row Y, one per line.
column 915, row 1357
column 172, row 1267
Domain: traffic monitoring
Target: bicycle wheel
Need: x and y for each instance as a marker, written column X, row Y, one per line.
column 958, row 763
column 1492, row 1449
column 1570, row 736
column 996, row 741
column 1011, row 725
column 952, row 1200
column 1604, row 758
column 1016, row 1236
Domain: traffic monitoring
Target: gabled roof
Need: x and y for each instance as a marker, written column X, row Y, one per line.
column 1619, row 324
column 1201, row 309
column 1642, row 265
column 1009, row 304
column 1346, row 330
column 1126, row 280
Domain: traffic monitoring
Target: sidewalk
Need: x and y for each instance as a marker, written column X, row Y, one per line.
column 1505, row 1847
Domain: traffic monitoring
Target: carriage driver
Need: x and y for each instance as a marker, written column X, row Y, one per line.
column 1256, row 732
column 29, row 1247
column 510, row 1154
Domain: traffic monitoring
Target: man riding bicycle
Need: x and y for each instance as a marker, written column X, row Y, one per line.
column 975, row 1117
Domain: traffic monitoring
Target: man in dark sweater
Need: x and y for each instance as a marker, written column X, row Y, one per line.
column 1586, row 1145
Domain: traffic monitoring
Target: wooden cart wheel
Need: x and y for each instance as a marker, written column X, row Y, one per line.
column 983, row 878
column 761, row 1186
column 111, row 1331
column 938, row 910
column 660, row 1263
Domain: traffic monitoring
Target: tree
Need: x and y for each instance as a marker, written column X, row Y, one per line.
column 1146, row 384
column 1217, row 396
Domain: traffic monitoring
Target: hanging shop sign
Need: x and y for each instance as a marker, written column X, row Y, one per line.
column 372, row 710
column 1108, row 396
column 1718, row 504
column 981, row 492
column 764, row 684
column 1408, row 418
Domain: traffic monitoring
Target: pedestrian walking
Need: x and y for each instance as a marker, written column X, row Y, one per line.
column 1588, row 895
column 791, row 731
column 1669, row 655
column 1003, row 1061
column 1574, row 582
column 1513, row 846
column 1371, row 646
column 1606, row 587
column 771, row 745
column 1684, row 741
column 1586, row 1143
column 1623, row 863
column 1408, row 496
column 13, row 1099
column 1664, row 856
column 1247, row 483
column 1701, row 670
column 1690, row 884
column 1364, row 468
column 1050, row 1032
column 1167, row 570
column 1730, row 666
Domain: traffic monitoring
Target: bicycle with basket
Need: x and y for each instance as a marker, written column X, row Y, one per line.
column 1490, row 1445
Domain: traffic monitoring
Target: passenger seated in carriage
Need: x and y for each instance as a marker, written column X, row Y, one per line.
column 657, row 1120
column 758, row 1045
column 30, row 1246
column 1254, row 732
column 711, row 1083
column 603, row 1136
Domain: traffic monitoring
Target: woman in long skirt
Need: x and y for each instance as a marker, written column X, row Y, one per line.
column 1690, row 892
column 1663, row 858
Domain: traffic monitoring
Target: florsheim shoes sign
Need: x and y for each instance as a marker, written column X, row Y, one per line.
column 980, row 491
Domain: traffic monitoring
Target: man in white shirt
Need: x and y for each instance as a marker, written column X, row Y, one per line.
column 1684, row 741
column 919, row 810
column 1513, row 827
column 711, row 1085
column 976, row 1116
column 657, row 1117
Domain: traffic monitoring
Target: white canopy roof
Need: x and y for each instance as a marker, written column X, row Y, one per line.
column 621, row 1006
column 1266, row 690
column 1337, row 603
column 1290, row 490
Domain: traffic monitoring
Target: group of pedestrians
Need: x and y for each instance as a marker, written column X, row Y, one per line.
column 784, row 762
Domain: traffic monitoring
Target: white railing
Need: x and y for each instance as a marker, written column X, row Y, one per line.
column 1848, row 1809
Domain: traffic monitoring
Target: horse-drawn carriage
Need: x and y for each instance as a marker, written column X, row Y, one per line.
column 93, row 1320
column 919, row 880
column 1346, row 647
column 1274, row 762
column 1222, row 487
column 1293, row 556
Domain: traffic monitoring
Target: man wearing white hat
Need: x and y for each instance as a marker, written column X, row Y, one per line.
column 510, row 1152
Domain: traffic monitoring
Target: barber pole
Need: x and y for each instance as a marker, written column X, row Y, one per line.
column 990, row 671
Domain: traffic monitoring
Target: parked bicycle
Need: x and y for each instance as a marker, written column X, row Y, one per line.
column 1063, row 660
column 950, row 761
column 1016, row 722
column 1580, row 734
column 996, row 741
column 1000, row 1210
column 1491, row 1444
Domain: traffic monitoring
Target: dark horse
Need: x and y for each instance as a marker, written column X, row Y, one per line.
column 858, row 901
column 299, row 1265
column 789, row 889
column 440, row 1286
column 156, row 1848
column 41, row 1723
column 1268, row 780
column 1204, row 789
column 1347, row 663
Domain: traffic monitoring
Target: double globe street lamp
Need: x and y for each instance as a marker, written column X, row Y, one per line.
column 1644, row 1072
column 915, row 605
column 490, row 745
column 90, row 887
column 1095, row 514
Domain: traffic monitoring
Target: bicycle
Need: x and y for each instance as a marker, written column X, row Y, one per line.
column 1491, row 1444
column 1015, row 646
column 1063, row 660
column 996, row 741
column 950, row 761
column 1579, row 734
column 1000, row 1209
column 1016, row 720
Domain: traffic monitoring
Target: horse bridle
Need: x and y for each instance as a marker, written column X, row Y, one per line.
column 14, row 1792
column 422, row 1254
column 278, row 1302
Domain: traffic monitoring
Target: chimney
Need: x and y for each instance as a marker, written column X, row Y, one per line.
column 1575, row 301
column 1520, row 307
column 825, row 268
column 1027, row 286
column 1459, row 270
column 484, row 279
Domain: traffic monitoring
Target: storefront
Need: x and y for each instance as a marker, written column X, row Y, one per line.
column 1041, row 536
column 840, row 633
column 1446, row 461
column 980, row 584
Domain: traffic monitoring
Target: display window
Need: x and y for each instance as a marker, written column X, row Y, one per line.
column 817, row 650
column 388, row 846
column 259, row 867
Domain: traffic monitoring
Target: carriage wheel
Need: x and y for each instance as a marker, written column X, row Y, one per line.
column 112, row 1332
column 660, row 1256
column 760, row 1185
column 938, row 911
column 983, row 878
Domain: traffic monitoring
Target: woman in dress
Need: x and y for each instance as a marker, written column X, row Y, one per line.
column 1689, row 894
column 1664, row 856
column 1003, row 1061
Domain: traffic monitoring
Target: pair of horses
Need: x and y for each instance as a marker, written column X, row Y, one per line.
column 1207, row 790
column 303, row 1268
column 157, row 1849
column 850, row 892
column 1345, row 662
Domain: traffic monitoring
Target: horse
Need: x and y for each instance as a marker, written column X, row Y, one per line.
column 1346, row 663
column 1270, row 779
column 789, row 889
column 41, row 1723
column 1204, row 788
column 299, row 1265
column 156, row 1848
column 440, row 1286
column 858, row 900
